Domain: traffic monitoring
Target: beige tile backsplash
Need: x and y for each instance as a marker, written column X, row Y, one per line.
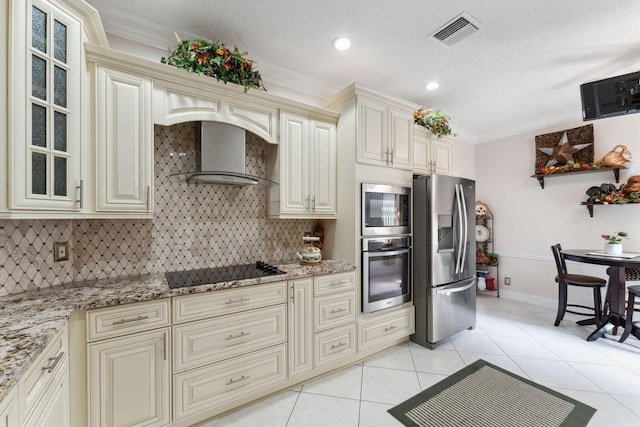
column 194, row 226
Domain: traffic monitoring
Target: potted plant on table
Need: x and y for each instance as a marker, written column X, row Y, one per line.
column 613, row 242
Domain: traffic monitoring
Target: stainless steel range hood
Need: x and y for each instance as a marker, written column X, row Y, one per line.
column 220, row 157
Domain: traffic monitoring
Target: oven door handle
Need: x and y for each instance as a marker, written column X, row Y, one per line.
column 386, row 252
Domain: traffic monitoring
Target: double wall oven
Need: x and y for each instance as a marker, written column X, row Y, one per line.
column 385, row 246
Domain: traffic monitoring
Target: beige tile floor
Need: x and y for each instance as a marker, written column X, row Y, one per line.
column 516, row 336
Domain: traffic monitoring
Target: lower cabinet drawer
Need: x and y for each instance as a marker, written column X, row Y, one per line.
column 389, row 326
column 218, row 384
column 126, row 319
column 37, row 379
column 212, row 340
column 334, row 344
column 334, row 310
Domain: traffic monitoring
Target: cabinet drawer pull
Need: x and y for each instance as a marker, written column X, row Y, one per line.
column 390, row 328
column 391, row 155
column 135, row 319
column 235, row 301
column 54, row 362
column 342, row 344
column 340, row 310
column 341, row 282
column 242, row 378
column 240, row 335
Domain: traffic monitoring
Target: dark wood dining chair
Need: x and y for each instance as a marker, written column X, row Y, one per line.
column 633, row 291
column 565, row 279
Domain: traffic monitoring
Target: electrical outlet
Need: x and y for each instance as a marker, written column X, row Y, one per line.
column 507, row 280
column 60, row 251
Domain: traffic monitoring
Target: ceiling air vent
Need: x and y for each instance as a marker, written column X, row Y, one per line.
column 456, row 30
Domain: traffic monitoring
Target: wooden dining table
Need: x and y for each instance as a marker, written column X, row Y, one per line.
column 616, row 286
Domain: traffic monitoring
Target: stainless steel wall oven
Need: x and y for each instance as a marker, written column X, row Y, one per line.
column 386, row 272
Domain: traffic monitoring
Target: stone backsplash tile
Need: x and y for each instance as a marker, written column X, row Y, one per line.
column 194, row 226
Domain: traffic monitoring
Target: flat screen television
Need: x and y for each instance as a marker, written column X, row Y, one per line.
column 611, row 97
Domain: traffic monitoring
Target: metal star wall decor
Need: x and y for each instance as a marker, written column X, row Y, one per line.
column 563, row 152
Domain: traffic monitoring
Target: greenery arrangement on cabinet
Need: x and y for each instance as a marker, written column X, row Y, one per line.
column 434, row 120
column 215, row 60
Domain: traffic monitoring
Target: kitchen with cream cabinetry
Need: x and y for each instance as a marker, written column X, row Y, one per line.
column 430, row 153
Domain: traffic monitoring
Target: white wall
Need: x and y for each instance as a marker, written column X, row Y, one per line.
column 528, row 219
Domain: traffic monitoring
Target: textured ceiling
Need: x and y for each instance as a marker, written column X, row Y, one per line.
column 521, row 71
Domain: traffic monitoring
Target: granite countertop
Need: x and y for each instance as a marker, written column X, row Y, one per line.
column 30, row 320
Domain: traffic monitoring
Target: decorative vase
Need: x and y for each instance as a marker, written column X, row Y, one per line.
column 613, row 248
column 482, row 283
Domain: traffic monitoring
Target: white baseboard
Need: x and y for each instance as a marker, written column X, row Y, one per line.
column 531, row 299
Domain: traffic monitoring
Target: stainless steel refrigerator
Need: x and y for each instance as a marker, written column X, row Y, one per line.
column 444, row 261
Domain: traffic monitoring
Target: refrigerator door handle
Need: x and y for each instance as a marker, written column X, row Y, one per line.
column 455, row 290
column 463, row 263
column 460, row 229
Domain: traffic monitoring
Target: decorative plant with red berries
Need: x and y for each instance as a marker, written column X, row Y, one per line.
column 434, row 120
column 215, row 60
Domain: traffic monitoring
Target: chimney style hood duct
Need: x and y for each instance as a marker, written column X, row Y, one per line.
column 220, row 157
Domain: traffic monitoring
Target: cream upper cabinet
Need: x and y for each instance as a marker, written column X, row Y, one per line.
column 124, row 143
column 44, row 114
column 431, row 155
column 384, row 134
column 304, row 164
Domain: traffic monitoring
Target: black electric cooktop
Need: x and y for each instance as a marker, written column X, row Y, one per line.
column 203, row 276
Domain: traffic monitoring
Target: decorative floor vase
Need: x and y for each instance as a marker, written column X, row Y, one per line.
column 613, row 248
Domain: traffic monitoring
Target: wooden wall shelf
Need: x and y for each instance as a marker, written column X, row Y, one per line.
column 590, row 205
column 540, row 176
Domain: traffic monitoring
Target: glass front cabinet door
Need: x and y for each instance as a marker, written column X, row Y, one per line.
column 44, row 117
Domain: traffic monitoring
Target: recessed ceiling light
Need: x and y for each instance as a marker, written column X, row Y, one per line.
column 342, row 43
column 432, row 86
